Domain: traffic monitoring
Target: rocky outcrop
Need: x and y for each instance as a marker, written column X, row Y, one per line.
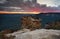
column 31, row 23
column 38, row 34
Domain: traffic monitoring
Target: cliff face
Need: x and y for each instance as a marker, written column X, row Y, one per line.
column 31, row 23
column 53, row 25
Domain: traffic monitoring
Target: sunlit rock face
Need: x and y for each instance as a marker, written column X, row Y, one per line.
column 38, row 34
column 30, row 22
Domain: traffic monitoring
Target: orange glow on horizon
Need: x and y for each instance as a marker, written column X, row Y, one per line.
column 35, row 10
column 7, row 12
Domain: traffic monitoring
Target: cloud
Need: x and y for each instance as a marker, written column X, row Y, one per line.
column 49, row 2
column 2, row 1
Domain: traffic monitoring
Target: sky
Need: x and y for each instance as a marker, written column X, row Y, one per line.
column 2, row 1
column 48, row 2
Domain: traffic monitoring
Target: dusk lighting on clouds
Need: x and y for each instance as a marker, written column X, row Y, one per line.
column 2, row 1
column 49, row 2
column 30, row 6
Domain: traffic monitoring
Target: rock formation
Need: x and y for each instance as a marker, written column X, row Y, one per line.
column 30, row 22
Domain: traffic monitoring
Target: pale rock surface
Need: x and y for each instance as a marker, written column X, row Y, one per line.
column 37, row 34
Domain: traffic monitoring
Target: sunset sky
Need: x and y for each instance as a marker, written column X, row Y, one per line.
column 48, row 2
